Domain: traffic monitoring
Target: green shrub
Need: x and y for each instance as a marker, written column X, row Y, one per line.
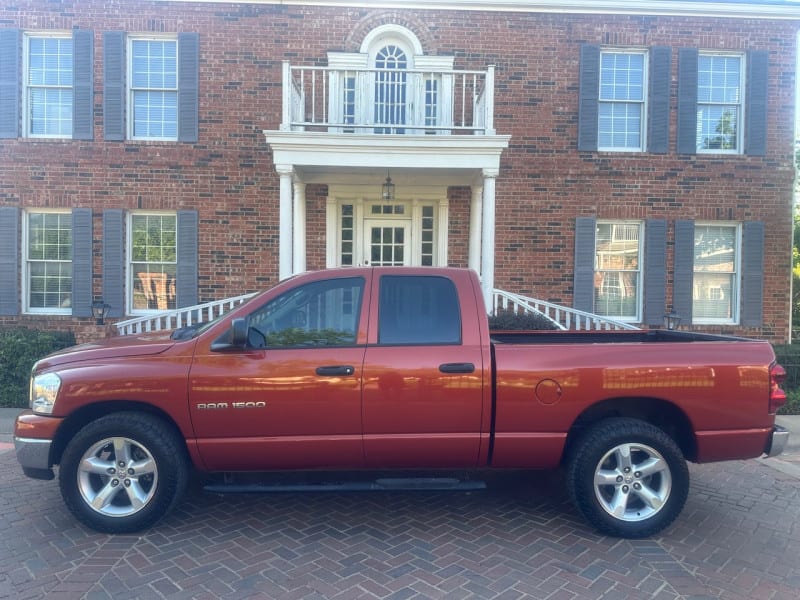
column 19, row 349
column 510, row 321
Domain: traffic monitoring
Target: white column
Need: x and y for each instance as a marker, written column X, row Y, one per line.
column 475, row 219
column 299, row 218
column 285, row 222
column 487, row 236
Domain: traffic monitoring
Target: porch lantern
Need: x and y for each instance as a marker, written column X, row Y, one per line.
column 387, row 189
column 672, row 320
column 100, row 311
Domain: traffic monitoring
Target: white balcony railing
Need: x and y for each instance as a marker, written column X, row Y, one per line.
column 395, row 101
column 561, row 316
column 180, row 317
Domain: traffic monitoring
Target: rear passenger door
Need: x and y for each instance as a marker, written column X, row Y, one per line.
column 423, row 376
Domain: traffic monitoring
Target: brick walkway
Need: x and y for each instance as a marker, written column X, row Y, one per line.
column 739, row 538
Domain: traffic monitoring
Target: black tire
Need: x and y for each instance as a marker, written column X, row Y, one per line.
column 631, row 497
column 99, row 466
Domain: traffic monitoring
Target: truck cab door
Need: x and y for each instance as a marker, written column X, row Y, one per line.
column 423, row 380
column 290, row 397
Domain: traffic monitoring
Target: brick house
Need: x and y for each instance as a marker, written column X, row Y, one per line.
column 627, row 158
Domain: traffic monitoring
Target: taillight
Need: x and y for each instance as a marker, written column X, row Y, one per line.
column 777, row 397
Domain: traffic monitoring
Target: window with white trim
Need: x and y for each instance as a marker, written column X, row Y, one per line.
column 720, row 100
column 48, row 262
column 617, row 271
column 48, row 85
column 621, row 106
column 152, row 261
column 153, row 88
column 715, row 286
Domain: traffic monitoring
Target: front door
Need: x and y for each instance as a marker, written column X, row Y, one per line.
column 387, row 243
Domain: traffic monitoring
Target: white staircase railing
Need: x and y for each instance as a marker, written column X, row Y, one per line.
column 180, row 317
column 563, row 317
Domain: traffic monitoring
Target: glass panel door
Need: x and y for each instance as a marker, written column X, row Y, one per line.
column 387, row 243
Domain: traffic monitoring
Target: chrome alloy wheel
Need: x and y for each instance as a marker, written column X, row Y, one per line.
column 117, row 477
column 632, row 482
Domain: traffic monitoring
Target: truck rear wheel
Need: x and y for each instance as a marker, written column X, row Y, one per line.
column 123, row 472
column 627, row 478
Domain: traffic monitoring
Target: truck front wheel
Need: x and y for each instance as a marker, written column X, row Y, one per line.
column 627, row 478
column 123, row 472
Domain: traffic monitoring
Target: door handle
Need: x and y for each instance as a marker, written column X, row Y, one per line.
column 335, row 370
column 457, row 368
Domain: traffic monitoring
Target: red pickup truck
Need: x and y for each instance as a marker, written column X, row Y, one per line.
column 394, row 370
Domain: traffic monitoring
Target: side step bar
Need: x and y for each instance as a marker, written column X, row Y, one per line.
column 385, row 484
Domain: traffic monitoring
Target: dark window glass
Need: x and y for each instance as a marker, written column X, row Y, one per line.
column 418, row 310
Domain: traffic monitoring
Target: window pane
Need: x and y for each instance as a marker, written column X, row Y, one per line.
column 620, row 125
column 714, row 289
column 323, row 313
column 418, row 310
column 616, row 280
column 154, row 257
column 717, row 127
column 49, row 261
column 718, row 79
column 621, row 76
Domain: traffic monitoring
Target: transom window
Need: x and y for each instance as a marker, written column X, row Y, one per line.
column 153, row 80
column 48, row 86
column 622, row 100
column 617, row 278
column 153, row 261
column 48, row 263
column 719, row 103
column 715, row 289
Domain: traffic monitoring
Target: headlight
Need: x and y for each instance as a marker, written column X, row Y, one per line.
column 44, row 389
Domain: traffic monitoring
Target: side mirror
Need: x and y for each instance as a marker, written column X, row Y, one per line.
column 233, row 339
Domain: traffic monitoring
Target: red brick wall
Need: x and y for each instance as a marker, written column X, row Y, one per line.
column 544, row 181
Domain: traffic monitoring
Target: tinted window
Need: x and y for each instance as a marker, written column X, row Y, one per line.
column 418, row 310
column 323, row 313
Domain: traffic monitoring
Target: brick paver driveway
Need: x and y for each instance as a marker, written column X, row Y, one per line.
column 739, row 537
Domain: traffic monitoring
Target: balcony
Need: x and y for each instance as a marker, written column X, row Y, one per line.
column 387, row 101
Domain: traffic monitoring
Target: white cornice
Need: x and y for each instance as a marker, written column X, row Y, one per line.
column 764, row 9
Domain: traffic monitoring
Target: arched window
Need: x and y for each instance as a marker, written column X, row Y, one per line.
column 391, row 95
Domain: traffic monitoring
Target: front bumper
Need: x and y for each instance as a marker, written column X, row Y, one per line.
column 777, row 441
column 33, row 441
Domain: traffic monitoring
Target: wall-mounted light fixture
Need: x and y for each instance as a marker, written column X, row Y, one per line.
column 100, row 311
column 387, row 189
column 672, row 320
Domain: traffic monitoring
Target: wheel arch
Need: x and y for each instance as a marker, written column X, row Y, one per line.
column 665, row 415
column 86, row 414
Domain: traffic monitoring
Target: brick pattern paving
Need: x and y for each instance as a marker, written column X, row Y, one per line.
column 739, row 538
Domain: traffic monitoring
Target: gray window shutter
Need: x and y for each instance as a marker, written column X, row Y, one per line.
column 10, row 80
column 588, row 95
column 658, row 100
column 752, row 274
column 187, row 277
column 687, row 101
column 188, row 86
column 82, row 262
column 9, row 260
column 655, row 271
column 583, row 286
column 755, row 132
column 114, row 86
column 683, row 271
column 82, row 84
column 114, row 261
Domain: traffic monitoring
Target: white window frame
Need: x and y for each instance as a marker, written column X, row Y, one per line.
column 26, row 260
column 28, row 88
column 642, row 103
column 129, row 271
column 131, row 90
column 741, row 105
column 736, row 292
column 637, row 318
